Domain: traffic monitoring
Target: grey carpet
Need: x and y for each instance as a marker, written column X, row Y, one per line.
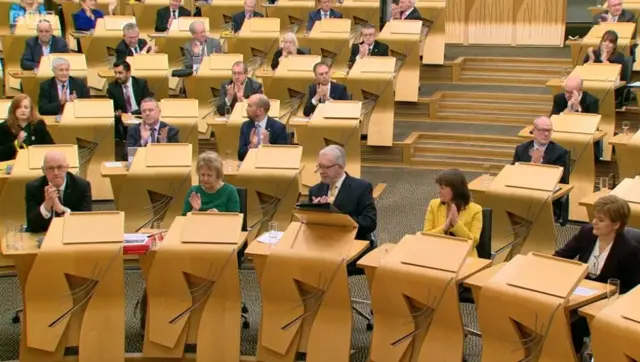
column 401, row 210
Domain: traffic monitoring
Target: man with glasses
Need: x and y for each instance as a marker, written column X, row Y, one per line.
column 544, row 151
column 151, row 129
column 131, row 43
column 323, row 89
column 368, row 46
column 239, row 88
column 350, row 195
column 56, row 193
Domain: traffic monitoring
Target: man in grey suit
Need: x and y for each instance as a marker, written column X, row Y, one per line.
column 237, row 89
column 200, row 46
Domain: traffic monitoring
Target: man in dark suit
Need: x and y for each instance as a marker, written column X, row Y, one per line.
column 56, row 193
column 350, row 195
column 323, row 89
column 574, row 99
column 239, row 88
column 151, row 129
column 43, row 44
column 369, row 46
column 131, row 43
column 614, row 14
column 166, row 15
column 407, row 10
column 249, row 12
column 62, row 88
column 127, row 92
column 324, row 12
column 260, row 129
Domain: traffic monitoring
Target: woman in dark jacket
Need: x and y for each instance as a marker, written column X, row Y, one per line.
column 23, row 127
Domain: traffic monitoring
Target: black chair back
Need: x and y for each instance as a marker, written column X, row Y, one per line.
column 484, row 244
column 633, row 234
column 242, row 195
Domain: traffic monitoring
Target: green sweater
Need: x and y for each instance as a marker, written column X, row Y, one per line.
column 225, row 199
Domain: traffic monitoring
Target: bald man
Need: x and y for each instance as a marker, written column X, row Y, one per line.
column 574, row 99
column 614, row 14
column 56, row 193
column 249, row 12
column 44, row 43
column 260, row 129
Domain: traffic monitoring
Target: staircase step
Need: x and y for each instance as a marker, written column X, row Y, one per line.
column 461, row 150
column 494, row 98
column 500, row 108
column 518, row 61
column 465, row 164
column 492, row 118
column 549, row 72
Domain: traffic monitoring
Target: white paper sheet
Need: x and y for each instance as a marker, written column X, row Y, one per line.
column 584, row 292
column 264, row 237
column 113, row 164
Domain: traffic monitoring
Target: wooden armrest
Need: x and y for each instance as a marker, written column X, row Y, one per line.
column 378, row 190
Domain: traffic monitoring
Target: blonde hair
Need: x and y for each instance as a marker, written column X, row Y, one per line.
column 613, row 208
column 291, row 37
column 212, row 162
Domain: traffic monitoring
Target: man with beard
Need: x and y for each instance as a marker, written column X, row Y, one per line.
column 260, row 129
column 127, row 92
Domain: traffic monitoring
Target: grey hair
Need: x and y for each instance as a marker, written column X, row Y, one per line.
column 291, row 37
column 338, row 153
column 58, row 62
column 129, row 27
column 43, row 21
column 535, row 121
column 192, row 26
column 150, row 100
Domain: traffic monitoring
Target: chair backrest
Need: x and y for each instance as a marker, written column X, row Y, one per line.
column 305, row 50
column 566, row 173
column 633, row 234
column 627, row 70
column 242, row 195
column 484, row 244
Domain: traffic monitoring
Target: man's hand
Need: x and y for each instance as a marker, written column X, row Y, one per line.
column 322, row 93
column 320, row 200
column 253, row 138
column 239, row 92
column 162, row 135
column 63, row 97
column 212, row 210
column 231, row 91
column 144, row 134
column 364, row 50
column 195, row 201
column 395, row 11
column 50, row 194
column 57, row 206
column 73, row 96
column 196, row 47
column 536, row 155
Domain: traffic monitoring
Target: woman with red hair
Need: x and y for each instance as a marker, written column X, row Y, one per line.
column 23, row 127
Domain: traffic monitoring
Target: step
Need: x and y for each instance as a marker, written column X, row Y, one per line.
column 465, row 164
column 460, row 150
column 494, row 98
column 499, row 108
column 503, row 79
column 550, row 72
column 492, row 118
column 425, row 138
column 518, row 61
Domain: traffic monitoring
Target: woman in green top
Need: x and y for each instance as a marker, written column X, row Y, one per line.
column 211, row 194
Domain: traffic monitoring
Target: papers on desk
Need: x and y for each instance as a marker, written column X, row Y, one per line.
column 135, row 238
column 300, row 119
column 113, row 164
column 221, row 119
column 584, row 292
column 264, row 237
column 634, row 84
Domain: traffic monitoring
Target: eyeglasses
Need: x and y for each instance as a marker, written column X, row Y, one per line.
column 60, row 168
column 237, row 73
column 544, row 130
column 325, row 168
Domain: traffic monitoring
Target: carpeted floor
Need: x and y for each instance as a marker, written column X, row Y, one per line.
column 401, row 210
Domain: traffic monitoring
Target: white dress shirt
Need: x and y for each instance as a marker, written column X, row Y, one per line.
column 66, row 84
column 134, row 106
column 48, row 213
column 597, row 259
column 313, row 100
column 338, row 184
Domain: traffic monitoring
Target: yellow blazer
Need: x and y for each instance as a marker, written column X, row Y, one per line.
column 469, row 223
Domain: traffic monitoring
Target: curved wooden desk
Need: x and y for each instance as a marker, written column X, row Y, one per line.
column 628, row 189
column 627, row 154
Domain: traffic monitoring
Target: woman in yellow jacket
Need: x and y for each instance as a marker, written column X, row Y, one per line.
column 453, row 213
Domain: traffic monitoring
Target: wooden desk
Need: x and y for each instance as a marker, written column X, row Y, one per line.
column 590, row 311
column 628, row 190
column 627, row 153
column 625, row 31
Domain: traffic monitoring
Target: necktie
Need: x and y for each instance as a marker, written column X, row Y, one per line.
column 127, row 98
column 325, row 15
column 369, row 51
column 259, row 134
column 60, row 196
column 136, row 50
column 63, row 89
column 152, row 137
column 332, row 193
column 174, row 14
column 248, row 16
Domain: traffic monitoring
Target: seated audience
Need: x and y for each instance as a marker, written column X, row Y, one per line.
column 406, row 10
column 614, row 14
column 132, row 44
column 23, row 8
column 41, row 45
column 211, row 194
column 62, row 88
column 85, row 19
column 239, row 88
column 324, row 89
column 56, row 193
column 350, row 195
column 249, row 12
column 289, row 47
column 369, row 46
column 607, row 51
column 453, row 213
column 574, row 99
column 200, row 46
column 127, row 92
column 609, row 253
column 22, row 128
column 324, row 12
column 166, row 15
column 260, row 129
column 151, row 129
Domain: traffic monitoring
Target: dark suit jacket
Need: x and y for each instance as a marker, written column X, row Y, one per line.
column 238, row 19
column 378, row 49
column 337, row 92
column 164, row 14
column 251, row 87
column 625, row 17
column 354, row 198
column 277, row 135
column 617, row 57
column 134, row 136
column 589, row 103
column 49, row 101
column 622, row 263
column 116, row 93
column 317, row 15
column 413, row 15
column 123, row 50
column 33, row 51
column 554, row 154
column 77, row 197
column 37, row 134
column 276, row 57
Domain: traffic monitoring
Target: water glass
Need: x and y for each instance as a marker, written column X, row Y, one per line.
column 613, row 288
column 273, row 233
column 486, row 168
column 227, row 111
column 625, row 128
column 604, row 183
column 13, row 235
column 156, row 225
